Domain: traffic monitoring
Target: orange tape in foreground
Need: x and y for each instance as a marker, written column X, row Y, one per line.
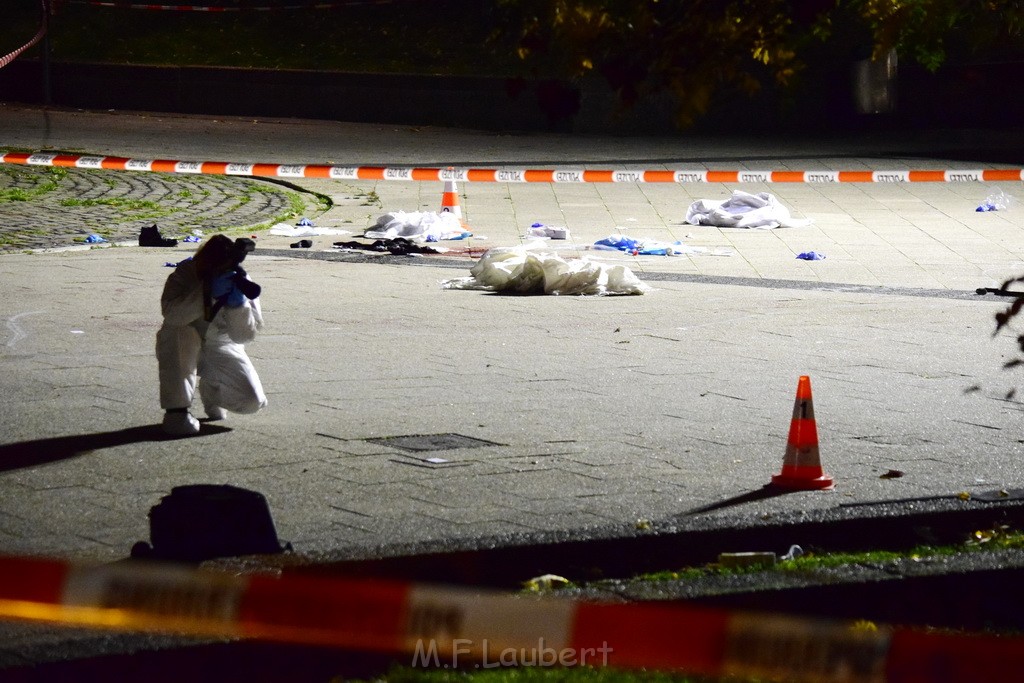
column 445, row 627
column 507, row 175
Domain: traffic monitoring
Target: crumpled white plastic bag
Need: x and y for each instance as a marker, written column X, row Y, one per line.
column 427, row 225
column 518, row 270
column 743, row 210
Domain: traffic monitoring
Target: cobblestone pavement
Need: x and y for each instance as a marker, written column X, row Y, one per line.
column 43, row 207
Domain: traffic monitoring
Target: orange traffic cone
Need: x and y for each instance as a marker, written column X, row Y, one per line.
column 450, row 200
column 801, row 468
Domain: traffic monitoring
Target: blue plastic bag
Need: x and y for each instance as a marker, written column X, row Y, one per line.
column 94, row 239
column 810, row 256
column 619, row 242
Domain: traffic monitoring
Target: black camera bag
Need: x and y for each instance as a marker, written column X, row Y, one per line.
column 205, row 521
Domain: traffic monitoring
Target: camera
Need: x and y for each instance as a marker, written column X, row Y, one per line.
column 239, row 250
column 233, row 255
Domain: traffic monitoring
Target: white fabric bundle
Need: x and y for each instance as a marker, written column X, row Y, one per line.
column 743, row 210
column 518, row 270
column 428, row 225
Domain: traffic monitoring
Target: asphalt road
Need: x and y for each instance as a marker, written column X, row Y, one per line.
column 593, row 418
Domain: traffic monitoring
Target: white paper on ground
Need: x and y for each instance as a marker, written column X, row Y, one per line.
column 302, row 231
column 520, row 270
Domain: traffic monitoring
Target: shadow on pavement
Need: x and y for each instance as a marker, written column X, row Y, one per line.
column 763, row 493
column 21, row 454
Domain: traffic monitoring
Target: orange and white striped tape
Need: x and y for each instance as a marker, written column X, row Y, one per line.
column 507, row 175
column 11, row 56
column 443, row 626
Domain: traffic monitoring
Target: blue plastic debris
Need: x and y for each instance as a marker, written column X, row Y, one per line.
column 810, row 256
column 997, row 201
column 192, row 238
column 94, row 239
column 638, row 247
column 619, row 242
column 305, row 223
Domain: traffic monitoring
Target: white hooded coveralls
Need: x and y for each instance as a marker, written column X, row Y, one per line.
column 186, row 345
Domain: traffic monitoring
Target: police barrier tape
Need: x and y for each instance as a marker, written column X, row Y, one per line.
column 506, row 175
column 450, row 627
column 11, row 56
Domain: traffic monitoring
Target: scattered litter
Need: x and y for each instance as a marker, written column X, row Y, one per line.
column 810, row 256
column 437, row 461
column 518, row 270
column 77, row 331
column 304, row 223
column 398, row 246
column 997, row 201
column 94, row 239
column 304, row 231
column 891, row 474
column 193, row 238
column 427, row 225
column 755, row 559
column 548, row 231
column 795, row 551
column 302, row 244
column 647, row 247
column 545, row 582
column 197, row 233
column 743, row 210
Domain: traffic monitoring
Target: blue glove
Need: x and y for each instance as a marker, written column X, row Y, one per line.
column 223, row 288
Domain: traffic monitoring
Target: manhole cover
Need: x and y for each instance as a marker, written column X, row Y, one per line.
column 431, row 442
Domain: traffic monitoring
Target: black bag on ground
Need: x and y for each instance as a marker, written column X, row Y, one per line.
column 205, row 521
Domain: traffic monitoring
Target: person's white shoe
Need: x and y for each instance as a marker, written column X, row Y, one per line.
column 180, row 424
column 216, row 413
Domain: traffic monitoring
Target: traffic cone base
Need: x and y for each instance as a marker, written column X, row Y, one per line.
column 811, row 480
column 801, row 467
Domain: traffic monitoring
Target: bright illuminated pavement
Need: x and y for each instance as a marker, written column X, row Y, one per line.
column 601, row 412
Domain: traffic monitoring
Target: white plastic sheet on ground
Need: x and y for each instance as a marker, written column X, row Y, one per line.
column 304, row 231
column 743, row 210
column 426, row 225
column 521, row 270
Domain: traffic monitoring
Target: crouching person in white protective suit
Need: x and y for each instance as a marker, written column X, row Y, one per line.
column 211, row 310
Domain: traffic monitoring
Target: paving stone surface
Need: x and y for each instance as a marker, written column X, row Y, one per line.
column 43, row 207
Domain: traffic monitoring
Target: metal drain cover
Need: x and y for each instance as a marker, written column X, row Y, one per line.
column 431, row 442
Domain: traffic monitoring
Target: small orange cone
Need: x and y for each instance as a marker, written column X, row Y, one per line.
column 450, row 200
column 801, row 468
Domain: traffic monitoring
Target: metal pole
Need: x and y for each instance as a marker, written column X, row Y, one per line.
column 47, row 91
